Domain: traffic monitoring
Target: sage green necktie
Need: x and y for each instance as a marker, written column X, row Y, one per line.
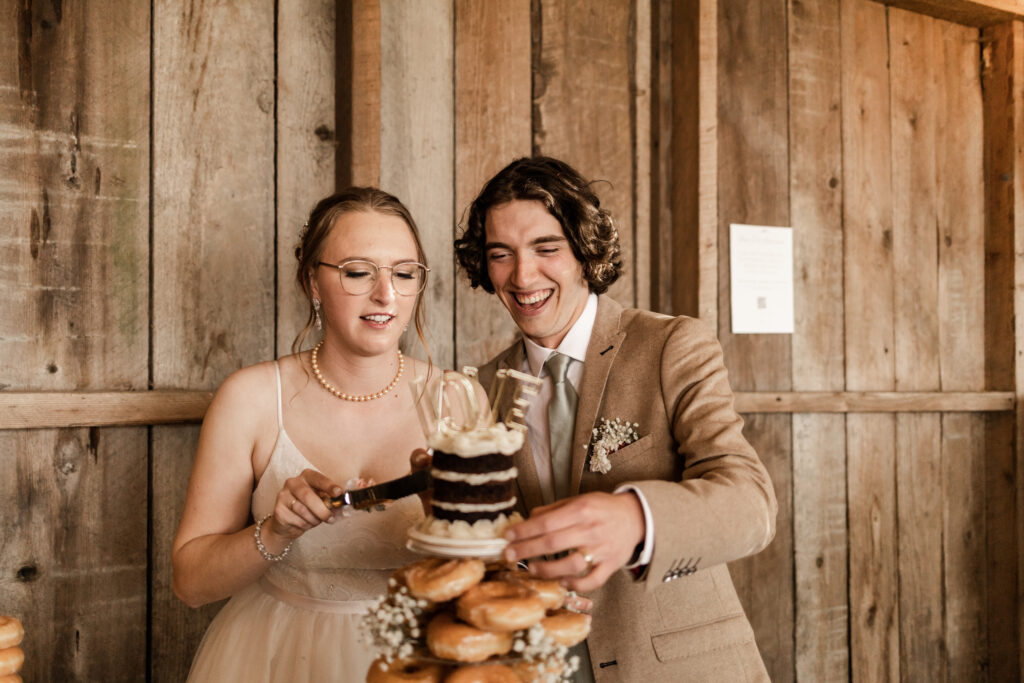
column 561, row 421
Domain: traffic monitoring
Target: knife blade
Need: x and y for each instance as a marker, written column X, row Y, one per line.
column 380, row 493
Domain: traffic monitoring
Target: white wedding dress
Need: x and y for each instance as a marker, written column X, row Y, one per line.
column 301, row 621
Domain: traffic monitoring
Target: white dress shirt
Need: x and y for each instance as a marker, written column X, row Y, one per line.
column 573, row 345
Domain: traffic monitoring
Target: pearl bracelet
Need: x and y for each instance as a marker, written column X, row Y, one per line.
column 263, row 550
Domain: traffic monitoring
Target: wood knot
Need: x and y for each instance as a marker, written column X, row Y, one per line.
column 28, row 573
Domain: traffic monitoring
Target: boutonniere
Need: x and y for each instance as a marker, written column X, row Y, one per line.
column 608, row 437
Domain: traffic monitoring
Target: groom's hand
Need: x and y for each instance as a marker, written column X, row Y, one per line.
column 599, row 531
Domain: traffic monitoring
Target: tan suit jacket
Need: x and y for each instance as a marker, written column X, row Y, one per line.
column 710, row 497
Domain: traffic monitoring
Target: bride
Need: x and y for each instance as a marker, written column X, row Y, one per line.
column 279, row 434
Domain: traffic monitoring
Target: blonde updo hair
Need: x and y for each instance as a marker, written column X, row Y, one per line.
column 309, row 250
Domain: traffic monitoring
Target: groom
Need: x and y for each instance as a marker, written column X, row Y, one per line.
column 638, row 480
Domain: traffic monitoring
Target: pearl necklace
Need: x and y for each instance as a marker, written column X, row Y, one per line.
column 349, row 397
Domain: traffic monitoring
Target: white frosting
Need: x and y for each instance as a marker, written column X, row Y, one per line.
column 482, row 528
column 474, row 507
column 475, row 479
column 496, row 438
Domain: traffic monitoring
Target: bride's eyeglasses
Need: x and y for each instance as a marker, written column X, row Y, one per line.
column 359, row 276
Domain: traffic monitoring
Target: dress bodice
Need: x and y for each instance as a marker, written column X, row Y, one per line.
column 347, row 560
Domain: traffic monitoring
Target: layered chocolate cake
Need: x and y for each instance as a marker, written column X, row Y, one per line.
column 474, row 482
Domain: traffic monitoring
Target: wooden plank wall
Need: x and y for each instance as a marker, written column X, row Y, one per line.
column 820, row 536
column 753, row 187
column 213, row 237
column 153, row 192
column 899, row 528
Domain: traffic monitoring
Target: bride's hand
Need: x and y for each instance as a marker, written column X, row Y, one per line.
column 299, row 507
column 421, row 460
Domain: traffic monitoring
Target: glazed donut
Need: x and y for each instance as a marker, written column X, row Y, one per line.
column 403, row 671
column 531, row 672
column 566, row 627
column 483, row 673
column 437, row 579
column 11, row 659
column 500, row 606
column 450, row 639
column 397, row 583
column 11, row 632
column 552, row 593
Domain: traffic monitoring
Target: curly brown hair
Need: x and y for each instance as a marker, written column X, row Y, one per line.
column 568, row 197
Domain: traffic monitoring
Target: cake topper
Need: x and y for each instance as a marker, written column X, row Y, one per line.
column 523, row 386
column 455, row 405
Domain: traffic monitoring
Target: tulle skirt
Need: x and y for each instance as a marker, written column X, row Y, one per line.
column 265, row 634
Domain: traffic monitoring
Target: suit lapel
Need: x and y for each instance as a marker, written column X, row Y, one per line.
column 605, row 341
column 527, row 482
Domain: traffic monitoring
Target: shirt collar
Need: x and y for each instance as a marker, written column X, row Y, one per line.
column 575, row 343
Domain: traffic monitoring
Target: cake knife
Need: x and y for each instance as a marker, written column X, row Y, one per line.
column 382, row 493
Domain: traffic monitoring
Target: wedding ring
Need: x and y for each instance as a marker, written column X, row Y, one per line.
column 588, row 558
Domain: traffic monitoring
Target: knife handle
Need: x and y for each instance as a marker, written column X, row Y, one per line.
column 371, row 496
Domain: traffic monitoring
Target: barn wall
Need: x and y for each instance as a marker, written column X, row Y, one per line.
column 158, row 162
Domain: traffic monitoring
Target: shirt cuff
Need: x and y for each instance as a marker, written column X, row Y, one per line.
column 647, row 546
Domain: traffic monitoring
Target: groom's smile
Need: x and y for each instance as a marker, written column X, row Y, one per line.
column 534, row 271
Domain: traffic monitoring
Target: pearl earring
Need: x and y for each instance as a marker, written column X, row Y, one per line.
column 316, row 313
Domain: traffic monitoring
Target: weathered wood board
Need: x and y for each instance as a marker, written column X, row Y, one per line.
column 915, row 90
column 819, row 441
column 492, row 127
column 869, row 322
column 967, row 496
column 583, row 106
column 659, row 265
column 418, row 148
column 358, row 92
column 1002, row 76
column 753, row 187
column 306, row 144
column 213, row 249
column 74, row 204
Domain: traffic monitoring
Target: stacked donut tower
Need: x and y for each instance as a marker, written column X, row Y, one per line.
column 11, row 655
column 464, row 619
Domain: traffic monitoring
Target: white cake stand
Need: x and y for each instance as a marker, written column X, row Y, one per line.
column 484, row 548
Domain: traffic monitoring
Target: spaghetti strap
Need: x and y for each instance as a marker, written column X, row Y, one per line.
column 280, row 415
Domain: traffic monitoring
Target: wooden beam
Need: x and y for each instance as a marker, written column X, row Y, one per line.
column 1018, row 181
column 1017, row 104
column 1001, row 83
column 47, row 409
column 970, row 12
column 692, row 147
column 37, row 410
column 874, row 402
column 358, row 93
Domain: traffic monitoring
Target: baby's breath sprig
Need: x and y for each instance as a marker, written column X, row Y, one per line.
column 395, row 624
column 608, row 437
column 550, row 659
